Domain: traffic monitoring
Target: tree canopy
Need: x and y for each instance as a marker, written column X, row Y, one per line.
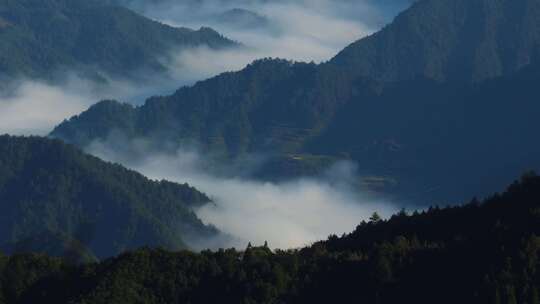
column 41, row 39
column 481, row 252
column 58, row 200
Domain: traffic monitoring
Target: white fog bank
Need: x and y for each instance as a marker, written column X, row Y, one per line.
column 287, row 214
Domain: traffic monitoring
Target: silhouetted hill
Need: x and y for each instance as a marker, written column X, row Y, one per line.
column 40, row 38
column 476, row 253
column 50, row 190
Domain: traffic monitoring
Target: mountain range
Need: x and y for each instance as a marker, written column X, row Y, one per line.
column 439, row 106
column 435, row 108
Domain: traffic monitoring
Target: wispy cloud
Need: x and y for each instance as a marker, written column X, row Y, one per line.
column 298, row 30
column 35, row 107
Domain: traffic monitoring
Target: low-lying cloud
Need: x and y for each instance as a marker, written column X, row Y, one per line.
column 35, row 107
column 286, row 214
column 298, row 30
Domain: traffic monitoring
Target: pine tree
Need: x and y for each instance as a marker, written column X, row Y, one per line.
column 375, row 218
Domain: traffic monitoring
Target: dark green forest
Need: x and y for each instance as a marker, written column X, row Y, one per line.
column 438, row 109
column 456, row 40
column 58, row 200
column 40, row 39
column 480, row 252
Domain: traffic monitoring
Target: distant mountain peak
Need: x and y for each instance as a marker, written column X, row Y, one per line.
column 464, row 40
column 241, row 17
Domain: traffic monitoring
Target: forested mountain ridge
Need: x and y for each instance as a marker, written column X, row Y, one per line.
column 418, row 135
column 50, row 190
column 224, row 113
column 481, row 252
column 457, row 40
column 41, row 38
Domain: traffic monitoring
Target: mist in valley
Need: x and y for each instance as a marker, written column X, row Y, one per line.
column 287, row 214
column 146, row 162
column 298, row 30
